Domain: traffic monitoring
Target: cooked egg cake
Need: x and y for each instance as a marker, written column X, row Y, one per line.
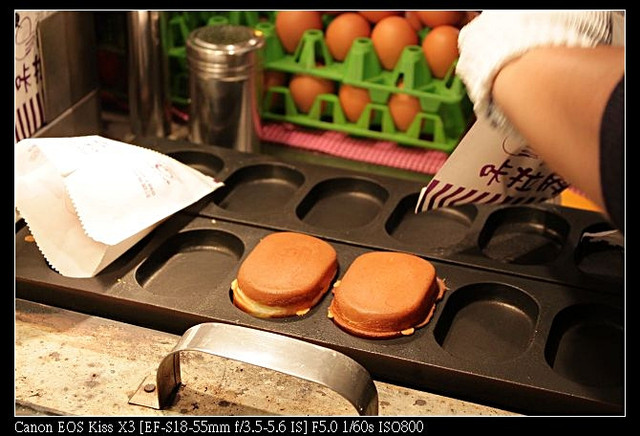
column 386, row 294
column 286, row 274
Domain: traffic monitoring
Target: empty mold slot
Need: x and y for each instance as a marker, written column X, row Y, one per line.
column 522, row 235
column 206, row 163
column 438, row 228
column 190, row 264
column 487, row 322
column 342, row 203
column 600, row 252
column 258, row 188
column 585, row 345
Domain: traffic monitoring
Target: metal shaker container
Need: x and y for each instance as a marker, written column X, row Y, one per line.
column 225, row 84
column 149, row 102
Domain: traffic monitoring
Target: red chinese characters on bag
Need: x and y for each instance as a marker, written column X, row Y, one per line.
column 490, row 168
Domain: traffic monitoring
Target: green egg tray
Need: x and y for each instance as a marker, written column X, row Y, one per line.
column 446, row 109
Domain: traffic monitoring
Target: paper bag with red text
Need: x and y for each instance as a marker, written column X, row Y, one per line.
column 488, row 167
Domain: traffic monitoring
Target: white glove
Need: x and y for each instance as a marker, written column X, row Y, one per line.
column 495, row 38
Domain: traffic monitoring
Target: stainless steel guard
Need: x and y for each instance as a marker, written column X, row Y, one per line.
column 268, row 350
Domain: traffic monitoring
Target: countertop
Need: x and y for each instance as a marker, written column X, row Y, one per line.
column 72, row 364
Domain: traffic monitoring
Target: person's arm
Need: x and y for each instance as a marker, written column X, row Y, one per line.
column 556, row 97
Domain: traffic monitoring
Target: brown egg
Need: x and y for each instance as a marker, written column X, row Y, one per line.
column 343, row 30
column 440, row 48
column 403, row 109
column 305, row 88
column 375, row 16
column 389, row 37
column 291, row 25
column 413, row 19
column 353, row 100
column 440, row 18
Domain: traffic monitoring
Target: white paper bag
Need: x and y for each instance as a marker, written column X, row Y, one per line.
column 488, row 167
column 89, row 199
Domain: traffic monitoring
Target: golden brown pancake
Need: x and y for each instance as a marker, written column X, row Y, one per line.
column 385, row 295
column 286, row 274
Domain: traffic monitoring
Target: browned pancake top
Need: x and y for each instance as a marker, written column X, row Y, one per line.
column 385, row 292
column 287, row 268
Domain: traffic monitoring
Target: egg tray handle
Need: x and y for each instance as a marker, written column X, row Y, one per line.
column 280, row 353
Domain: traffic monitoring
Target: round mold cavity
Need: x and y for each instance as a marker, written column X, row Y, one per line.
column 523, row 235
column 190, row 264
column 342, row 203
column 439, row 228
column 487, row 322
column 597, row 256
column 208, row 164
column 258, row 188
column 586, row 345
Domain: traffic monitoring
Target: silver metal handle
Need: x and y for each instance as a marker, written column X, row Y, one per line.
column 268, row 350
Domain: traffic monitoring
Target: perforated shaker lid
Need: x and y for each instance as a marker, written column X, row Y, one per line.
column 224, row 49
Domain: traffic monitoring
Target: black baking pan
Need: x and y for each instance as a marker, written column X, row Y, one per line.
column 521, row 344
column 544, row 241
